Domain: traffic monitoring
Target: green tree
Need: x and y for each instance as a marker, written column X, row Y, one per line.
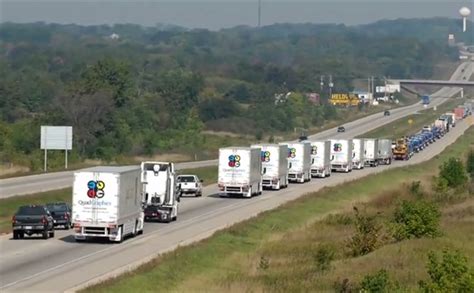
column 470, row 163
column 451, row 273
column 415, row 219
column 454, row 173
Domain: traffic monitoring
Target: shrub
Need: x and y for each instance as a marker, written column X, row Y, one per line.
column 367, row 235
column 324, row 255
column 454, row 173
column 338, row 219
column 415, row 219
column 450, row 274
column 344, row 286
column 415, row 189
column 264, row 263
column 378, row 282
column 470, row 163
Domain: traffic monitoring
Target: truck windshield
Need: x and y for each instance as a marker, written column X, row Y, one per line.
column 36, row 210
column 186, row 179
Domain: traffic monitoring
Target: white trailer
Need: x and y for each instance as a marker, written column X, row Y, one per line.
column 385, row 151
column 321, row 158
column 160, row 190
column 274, row 158
column 106, row 202
column 358, row 153
column 371, row 152
column 299, row 161
column 240, row 171
column 341, row 155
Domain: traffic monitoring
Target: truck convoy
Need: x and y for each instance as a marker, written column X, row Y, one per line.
column 299, row 161
column 160, row 194
column 341, row 155
column 321, row 159
column 425, row 100
column 274, row 158
column 240, row 171
column 106, row 202
column 358, row 153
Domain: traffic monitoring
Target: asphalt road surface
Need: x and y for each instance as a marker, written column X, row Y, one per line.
column 57, row 180
column 61, row 264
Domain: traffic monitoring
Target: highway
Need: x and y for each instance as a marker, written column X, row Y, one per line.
column 61, row 264
column 57, row 180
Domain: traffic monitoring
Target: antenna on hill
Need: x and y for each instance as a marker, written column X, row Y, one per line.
column 259, row 12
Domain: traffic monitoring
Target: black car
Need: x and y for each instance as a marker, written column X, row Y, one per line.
column 341, row 129
column 32, row 219
column 157, row 213
column 386, row 113
column 61, row 213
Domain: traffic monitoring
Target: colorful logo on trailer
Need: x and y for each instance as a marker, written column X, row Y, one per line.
column 95, row 189
column 337, row 147
column 265, row 156
column 234, row 161
column 291, row 152
column 314, row 150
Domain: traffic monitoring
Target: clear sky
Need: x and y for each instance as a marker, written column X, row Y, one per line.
column 224, row 13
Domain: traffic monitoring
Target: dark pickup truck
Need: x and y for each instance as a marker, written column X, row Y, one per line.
column 33, row 219
column 61, row 213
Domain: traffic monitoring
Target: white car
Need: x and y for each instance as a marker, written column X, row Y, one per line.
column 190, row 184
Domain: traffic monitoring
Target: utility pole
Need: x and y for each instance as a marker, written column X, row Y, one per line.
column 259, row 12
column 330, row 86
column 322, row 83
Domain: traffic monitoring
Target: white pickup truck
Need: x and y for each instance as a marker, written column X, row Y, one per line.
column 190, row 184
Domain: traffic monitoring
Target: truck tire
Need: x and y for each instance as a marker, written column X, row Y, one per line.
column 51, row 234
column 16, row 235
column 45, row 234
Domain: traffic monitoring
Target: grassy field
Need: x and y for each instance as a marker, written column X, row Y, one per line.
column 274, row 251
column 402, row 126
column 8, row 206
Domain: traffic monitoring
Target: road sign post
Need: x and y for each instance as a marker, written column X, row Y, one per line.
column 56, row 138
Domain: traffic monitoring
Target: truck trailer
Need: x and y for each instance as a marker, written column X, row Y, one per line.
column 160, row 194
column 240, row 171
column 321, row 159
column 274, row 158
column 299, row 161
column 106, row 203
column 341, row 155
column 385, row 151
column 371, row 152
column 358, row 153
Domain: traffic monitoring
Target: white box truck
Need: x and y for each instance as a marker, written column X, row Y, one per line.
column 321, row 158
column 371, row 152
column 358, row 153
column 299, row 161
column 274, row 160
column 385, row 151
column 341, row 155
column 106, row 202
column 160, row 192
column 240, row 171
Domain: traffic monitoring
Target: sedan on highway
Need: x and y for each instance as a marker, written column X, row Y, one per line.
column 341, row 129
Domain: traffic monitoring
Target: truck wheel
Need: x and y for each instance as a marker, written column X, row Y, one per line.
column 51, row 234
column 45, row 234
column 67, row 226
column 15, row 235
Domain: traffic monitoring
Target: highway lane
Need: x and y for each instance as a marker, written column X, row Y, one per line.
column 52, row 181
column 59, row 264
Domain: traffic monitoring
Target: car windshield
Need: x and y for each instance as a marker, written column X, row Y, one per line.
column 56, row 207
column 151, row 208
column 33, row 210
column 185, row 179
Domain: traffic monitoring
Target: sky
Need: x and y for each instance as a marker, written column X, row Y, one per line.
column 215, row 15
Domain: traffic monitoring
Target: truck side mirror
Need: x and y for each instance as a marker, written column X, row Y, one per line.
column 290, row 165
column 201, row 181
column 312, row 161
column 264, row 171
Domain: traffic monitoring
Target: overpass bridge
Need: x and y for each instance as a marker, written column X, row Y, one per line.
column 451, row 83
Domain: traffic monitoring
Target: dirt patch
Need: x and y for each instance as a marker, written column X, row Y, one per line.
column 8, row 169
column 165, row 158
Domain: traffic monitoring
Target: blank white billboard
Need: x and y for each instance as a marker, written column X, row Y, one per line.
column 56, row 137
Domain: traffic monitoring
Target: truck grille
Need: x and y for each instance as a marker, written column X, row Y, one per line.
column 233, row 189
column 95, row 230
column 292, row 176
column 266, row 182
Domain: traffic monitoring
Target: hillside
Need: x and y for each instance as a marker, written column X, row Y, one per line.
column 156, row 89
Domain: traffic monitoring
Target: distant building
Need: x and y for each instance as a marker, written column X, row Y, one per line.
column 281, row 98
column 389, row 88
column 314, row 98
column 114, row 36
column 451, row 40
column 364, row 96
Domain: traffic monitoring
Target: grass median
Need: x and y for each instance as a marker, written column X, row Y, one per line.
column 233, row 259
column 412, row 123
column 8, row 206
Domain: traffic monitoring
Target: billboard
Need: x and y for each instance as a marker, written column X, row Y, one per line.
column 56, row 138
